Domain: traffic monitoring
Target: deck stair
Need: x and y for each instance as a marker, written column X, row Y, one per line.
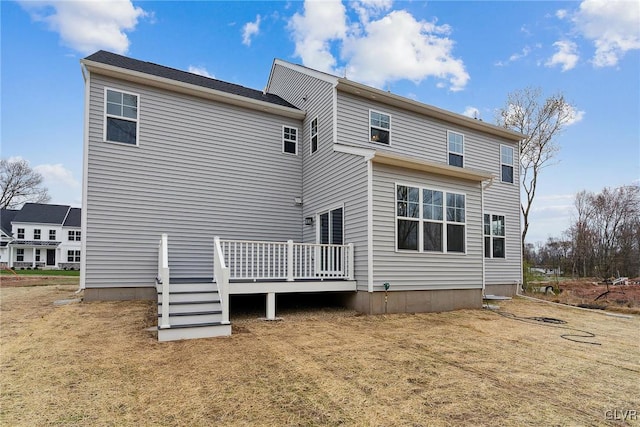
column 195, row 311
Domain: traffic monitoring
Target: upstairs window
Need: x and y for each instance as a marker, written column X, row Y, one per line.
column 20, row 233
column 121, row 117
column 494, row 236
column 380, row 127
column 52, row 234
column 289, row 140
column 456, row 148
column 314, row 135
column 506, row 163
column 36, row 234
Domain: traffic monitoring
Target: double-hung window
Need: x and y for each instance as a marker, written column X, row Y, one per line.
column 37, row 255
column 379, row 127
column 36, row 234
column 20, row 255
column 314, row 135
column 506, row 163
column 429, row 220
column 289, row 140
column 74, row 235
column 21, row 233
column 52, row 234
column 494, row 236
column 455, row 143
column 121, row 118
column 73, row 256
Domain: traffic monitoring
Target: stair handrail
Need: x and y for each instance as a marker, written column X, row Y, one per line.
column 221, row 276
column 163, row 280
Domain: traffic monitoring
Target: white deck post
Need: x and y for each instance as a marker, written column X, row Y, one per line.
column 351, row 258
column 289, row 262
column 164, row 279
column 271, row 306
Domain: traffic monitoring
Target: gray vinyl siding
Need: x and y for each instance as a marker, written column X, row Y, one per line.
column 330, row 179
column 201, row 169
column 411, row 270
column 425, row 138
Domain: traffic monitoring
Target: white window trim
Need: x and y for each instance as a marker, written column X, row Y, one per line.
column 453, row 152
column 137, row 120
column 492, row 235
column 297, row 141
column 311, row 135
column 513, row 160
column 421, row 221
column 379, row 128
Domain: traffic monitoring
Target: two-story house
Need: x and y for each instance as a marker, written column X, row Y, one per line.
column 317, row 183
column 42, row 236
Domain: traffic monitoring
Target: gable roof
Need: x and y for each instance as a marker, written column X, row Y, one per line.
column 41, row 213
column 73, row 218
column 6, row 216
column 151, row 69
column 358, row 89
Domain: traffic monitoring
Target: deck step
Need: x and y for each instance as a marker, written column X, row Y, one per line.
column 199, row 286
column 194, row 313
column 192, row 331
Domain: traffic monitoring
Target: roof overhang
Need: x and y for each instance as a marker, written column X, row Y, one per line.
column 378, row 95
column 190, row 89
column 412, row 163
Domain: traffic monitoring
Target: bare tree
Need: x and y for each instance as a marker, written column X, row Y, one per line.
column 20, row 184
column 541, row 120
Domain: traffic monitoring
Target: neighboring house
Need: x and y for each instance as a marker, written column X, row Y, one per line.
column 373, row 188
column 41, row 236
column 6, row 216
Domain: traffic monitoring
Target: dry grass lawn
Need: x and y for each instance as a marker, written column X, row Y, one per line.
column 94, row 364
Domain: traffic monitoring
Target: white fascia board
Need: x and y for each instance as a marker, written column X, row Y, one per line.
column 189, row 89
column 305, row 70
column 367, row 92
column 367, row 153
column 431, row 167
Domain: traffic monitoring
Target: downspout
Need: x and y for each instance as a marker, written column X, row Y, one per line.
column 482, row 189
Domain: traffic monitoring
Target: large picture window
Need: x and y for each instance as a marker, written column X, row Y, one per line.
column 121, row 117
column 494, row 236
column 506, row 163
column 379, row 127
column 422, row 224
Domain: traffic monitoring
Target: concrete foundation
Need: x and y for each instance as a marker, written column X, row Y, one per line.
column 120, row 294
column 414, row 301
column 502, row 290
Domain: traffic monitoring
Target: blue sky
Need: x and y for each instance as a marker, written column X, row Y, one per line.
column 462, row 56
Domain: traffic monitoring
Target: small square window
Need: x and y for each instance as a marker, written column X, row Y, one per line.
column 379, row 127
column 289, row 140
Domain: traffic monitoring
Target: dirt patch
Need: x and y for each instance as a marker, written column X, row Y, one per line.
column 590, row 293
column 95, row 364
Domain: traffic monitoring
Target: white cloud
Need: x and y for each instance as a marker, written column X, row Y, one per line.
column 472, row 112
column 87, row 26
column 573, row 116
column 57, row 174
column 566, row 55
column 612, row 25
column 201, row 71
column 375, row 49
column 561, row 13
column 249, row 30
column 515, row 57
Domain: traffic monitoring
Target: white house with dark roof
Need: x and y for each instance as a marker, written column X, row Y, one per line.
column 197, row 189
column 42, row 236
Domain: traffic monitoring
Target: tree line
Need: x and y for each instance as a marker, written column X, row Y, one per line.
column 603, row 239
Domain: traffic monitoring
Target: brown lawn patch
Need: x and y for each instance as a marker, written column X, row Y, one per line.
column 94, row 364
